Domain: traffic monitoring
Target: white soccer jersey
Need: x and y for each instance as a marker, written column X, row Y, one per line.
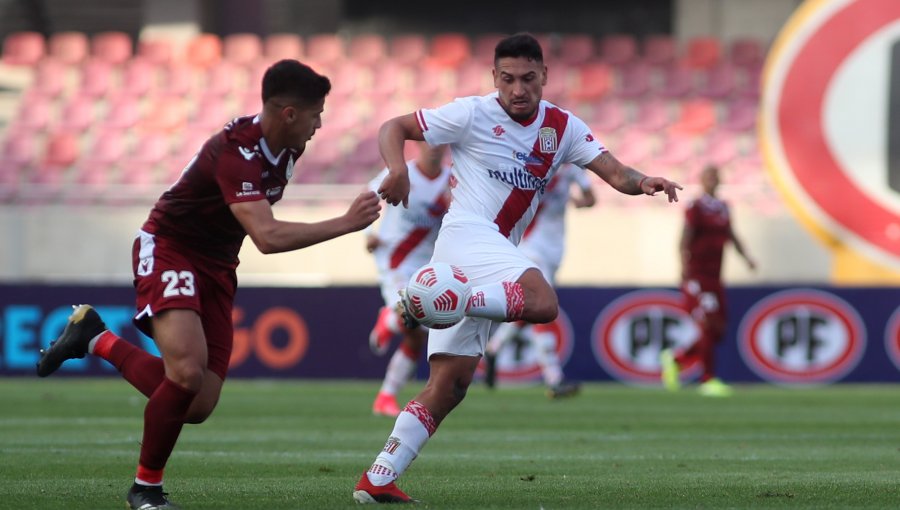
column 501, row 167
column 545, row 238
column 407, row 235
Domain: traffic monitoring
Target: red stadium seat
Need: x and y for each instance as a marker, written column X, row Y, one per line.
column 450, row 50
column 408, row 48
column 221, row 79
column 618, row 49
column 633, row 81
column 474, row 79
column 157, row 51
column 49, row 78
column 151, row 149
column 123, row 112
column 281, row 46
column 112, row 47
column 165, row 114
column 746, row 51
column 740, row 115
column 660, row 50
column 676, row 154
column 703, row 52
column 138, row 77
column 23, row 48
column 721, row 148
column 61, row 151
column 69, row 47
column 325, row 48
column 34, row 115
column 78, row 113
column 677, row 82
column 609, row 117
column 96, row 78
column 204, row 50
column 368, row 49
column 594, row 80
column 178, row 80
column 698, row 116
column 576, row 49
column 99, row 164
column 242, row 48
column 652, row 115
column 718, row 82
column 483, row 49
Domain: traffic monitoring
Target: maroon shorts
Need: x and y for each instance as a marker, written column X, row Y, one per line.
column 704, row 299
column 166, row 277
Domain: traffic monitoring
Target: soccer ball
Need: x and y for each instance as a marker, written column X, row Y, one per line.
column 438, row 295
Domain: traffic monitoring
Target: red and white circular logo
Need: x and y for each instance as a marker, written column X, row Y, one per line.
column 802, row 336
column 518, row 359
column 830, row 122
column 629, row 333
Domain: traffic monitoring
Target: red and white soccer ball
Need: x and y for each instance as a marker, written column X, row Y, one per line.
column 438, row 295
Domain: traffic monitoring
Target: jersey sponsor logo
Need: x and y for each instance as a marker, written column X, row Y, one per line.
column 802, row 336
column 528, row 159
column 630, row 332
column 548, row 140
column 831, row 148
column 520, row 178
column 498, row 130
column 247, row 153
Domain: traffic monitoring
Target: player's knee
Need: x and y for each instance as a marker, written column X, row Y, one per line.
column 187, row 374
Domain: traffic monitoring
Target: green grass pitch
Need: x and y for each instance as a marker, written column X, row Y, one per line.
column 68, row 443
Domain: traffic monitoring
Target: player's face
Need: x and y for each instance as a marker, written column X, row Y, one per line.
column 520, row 83
column 302, row 122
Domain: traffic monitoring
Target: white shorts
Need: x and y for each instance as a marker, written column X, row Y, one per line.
column 485, row 256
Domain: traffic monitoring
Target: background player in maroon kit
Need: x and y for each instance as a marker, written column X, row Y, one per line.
column 707, row 228
column 185, row 257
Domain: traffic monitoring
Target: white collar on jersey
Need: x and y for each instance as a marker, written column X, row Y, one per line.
column 264, row 147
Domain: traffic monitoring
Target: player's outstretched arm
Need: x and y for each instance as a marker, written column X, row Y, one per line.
column 392, row 136
column 628, row 180
column 275, row 236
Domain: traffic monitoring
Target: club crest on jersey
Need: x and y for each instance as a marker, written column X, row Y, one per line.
column 548, row 140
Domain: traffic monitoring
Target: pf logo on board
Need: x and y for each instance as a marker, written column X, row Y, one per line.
column 630, row 332
column 802, row 336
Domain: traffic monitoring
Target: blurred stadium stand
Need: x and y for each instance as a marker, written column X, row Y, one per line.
column 653, row 100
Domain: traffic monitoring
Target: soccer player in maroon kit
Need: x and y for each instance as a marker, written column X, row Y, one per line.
column 707, row 229
column 185, row 258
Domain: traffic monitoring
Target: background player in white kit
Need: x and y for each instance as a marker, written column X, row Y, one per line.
column 403, row 242
column 544, row 243
column 505, row 147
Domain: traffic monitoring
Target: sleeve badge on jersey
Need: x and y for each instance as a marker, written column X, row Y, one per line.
column 548, row 140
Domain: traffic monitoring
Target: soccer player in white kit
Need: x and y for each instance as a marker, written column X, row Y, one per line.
column 505, row 147
column 544, row 243
column 402, row 243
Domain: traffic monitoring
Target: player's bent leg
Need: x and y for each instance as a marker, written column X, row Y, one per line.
column 448, row 381
column 179, row 335
column 541, row 302
column 205, row 401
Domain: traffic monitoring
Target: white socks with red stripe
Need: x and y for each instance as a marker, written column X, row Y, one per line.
column 411, row 431
column 399, row 370
column 501, row 302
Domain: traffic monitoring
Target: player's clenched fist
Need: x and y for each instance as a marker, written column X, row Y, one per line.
column 394, row 188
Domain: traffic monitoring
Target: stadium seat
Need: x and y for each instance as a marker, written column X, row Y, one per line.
column 69, row 47
column 281, row 46
column 703, row 52
column 746, row 51
column 740, row 114
column 204, row 50
column 749, row 82
column 449, row 50
column 138, row 77
column 474, row 79
column 660, row 50
column 23, row 48
column 96, row 78
column 717, row 82
column 608, row 118
column 633, row 81
column 326, row 49
column 164, row 114
column 78, row 113
column 157, row 50
column 211, row 112
column 676, row 155
column 408, row 48
column 560, row 77
column 150, row 149
column 618, row 49
column 61, row 151
column 99, row 165
column 49, row 78
column 242, row 48
column 677, row 82
column 576, row 49
column 483, row 48
column 16, row 159
column 697, row 117
column 634, row 148
column 368, row 49
column 721, row 148
column 112, row 47
column 35, row 114
column 221, row 79
column 652, row 115
column 594, row 80
column 178, row 79
column 123, row 111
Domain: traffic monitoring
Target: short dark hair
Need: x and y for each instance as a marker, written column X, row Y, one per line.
column 519, row 45
column 294, row 79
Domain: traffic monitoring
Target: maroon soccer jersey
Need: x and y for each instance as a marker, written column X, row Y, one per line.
column 711, row 222
column 235, row 165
